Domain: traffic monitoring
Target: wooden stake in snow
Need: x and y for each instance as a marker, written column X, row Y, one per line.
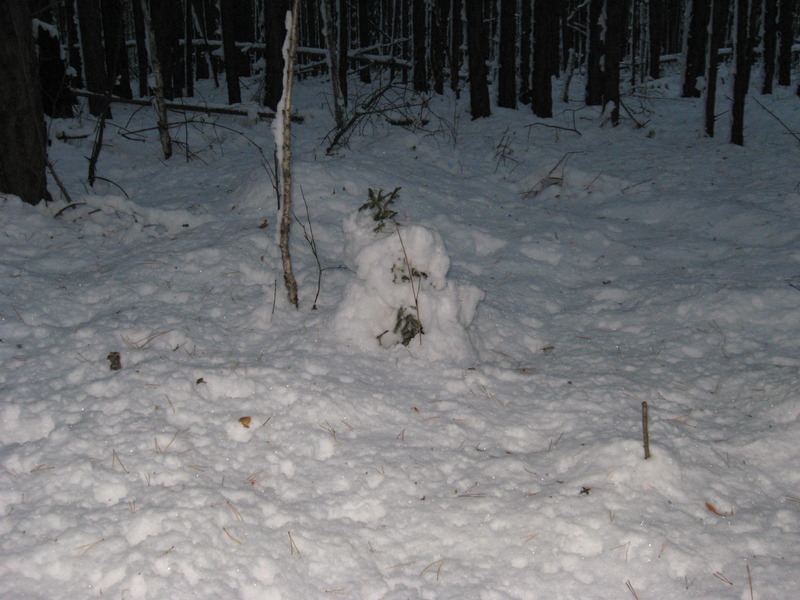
column 282, row 131
column 158, row 87
column 645, row 432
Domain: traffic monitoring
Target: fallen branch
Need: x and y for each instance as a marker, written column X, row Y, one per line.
column 220, row 110
column 777, row 118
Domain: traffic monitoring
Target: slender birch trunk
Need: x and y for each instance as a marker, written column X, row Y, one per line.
column 282, row 130
column 158, row 87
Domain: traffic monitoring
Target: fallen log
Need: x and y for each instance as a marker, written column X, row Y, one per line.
column 180, row 106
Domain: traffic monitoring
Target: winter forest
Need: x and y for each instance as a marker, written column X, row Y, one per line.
column 399, row 299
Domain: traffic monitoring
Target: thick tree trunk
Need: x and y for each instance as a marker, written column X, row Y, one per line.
column 785, row 22
column 22, row 132
column 507, row 57
column 770, row 41
column 439, row 43
column 746, row 11
column 480, row 105
column 57, row 99
column 615, row 22
column 188, row 47
column 696, row 48
column 230, row 51
column 116, row 54
column 525, row 51
column 656, row 33
column 545, row 38
column 343, row 44
column 141, row 49
column 168, row 24
column 275, row 33
column 419, row 34
column 364, row 37
column 594, row 59
column 719, row 19
column 456, row 39
column 94, row 67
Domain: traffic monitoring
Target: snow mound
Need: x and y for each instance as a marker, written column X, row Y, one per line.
column 401, row 286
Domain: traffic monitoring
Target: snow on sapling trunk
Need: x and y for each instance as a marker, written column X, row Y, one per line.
column 400, row 295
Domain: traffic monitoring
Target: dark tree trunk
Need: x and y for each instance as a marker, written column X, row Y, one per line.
column 275, row 33
column 594, row 75
column 785, row 19
column 188, row 47
column 57, row 99
column 507, row 57
column 116, row 53
column 770, row 41
column 696, row 48
column 439, row 43
column 545, row 44
column 243, row 31
column 419, row 34
column 168, row 25
column 525, row 51
column 94, row 66
column 719, row 19
column 456, row 40
column 364, row 38
column 22, row 172
column 480, row 105
column 615, row 22
column 230, row 51
column 746, row 12
column 141, row 49
column 343, row 31
column 656, row 32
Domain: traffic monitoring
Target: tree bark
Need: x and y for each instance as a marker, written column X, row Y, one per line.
column 438, row 44
column 284, row 155
column 656, row 32
column 770, row 42
column 230, row 51
column 343, row 45
column 22, row 171
column 456, row 39
column 785, row 19
column 332, row 54
column 141, row 49
column 696, row 48
column 525, row 50
column 364, row 37
column 594, row 59
column 188, row 47
column 615, row 21
column 545, row 38
column 419, row 33
column 158, row 81
column 90, row 26
column 480, row 105
column 719, row 19
column 745, row 20
column 275, row 32
column 116, row 54
column 57, row 99
column 167, row 20
column 507, row 56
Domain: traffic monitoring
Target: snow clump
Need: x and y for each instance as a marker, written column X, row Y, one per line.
column 400, row 286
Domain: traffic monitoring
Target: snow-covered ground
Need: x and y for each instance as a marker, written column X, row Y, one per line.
column 249, row 450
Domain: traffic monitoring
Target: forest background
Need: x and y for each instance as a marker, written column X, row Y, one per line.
column 504, row 52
